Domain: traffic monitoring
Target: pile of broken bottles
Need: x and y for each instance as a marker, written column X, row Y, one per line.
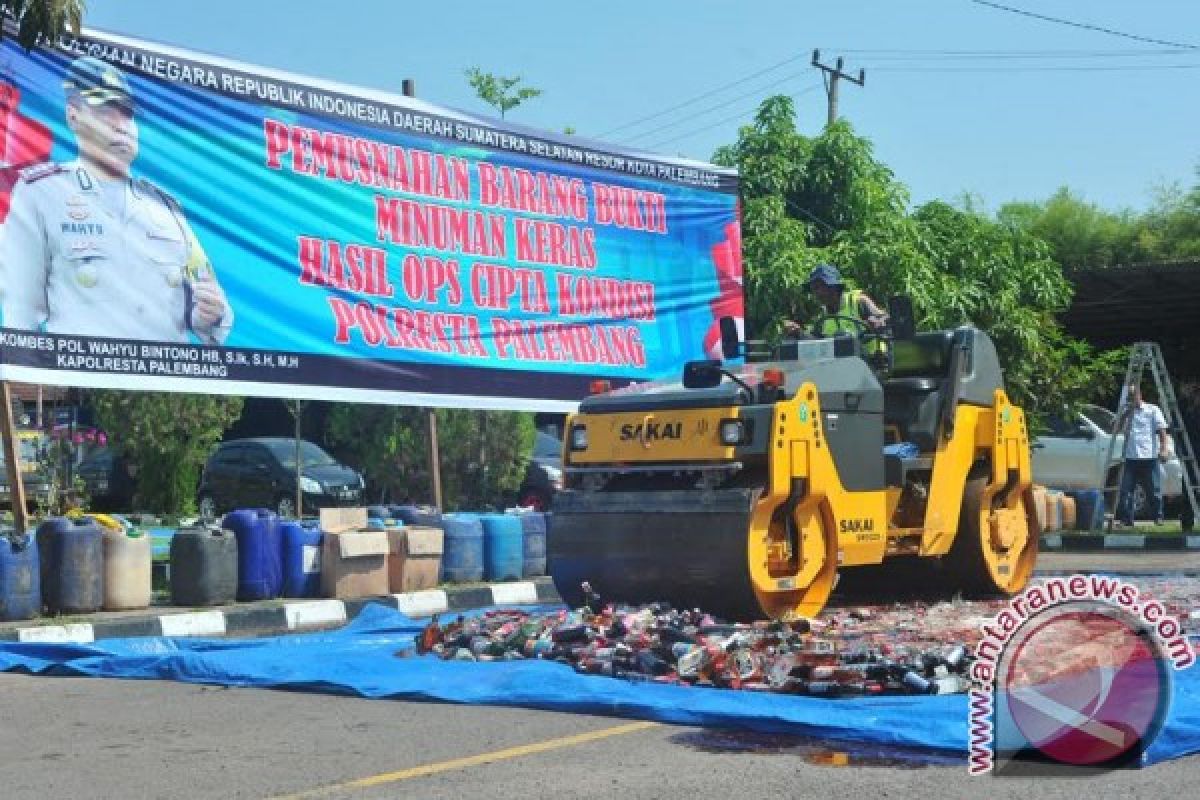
column 913, row 648
column 896, row 648
column 830, row 658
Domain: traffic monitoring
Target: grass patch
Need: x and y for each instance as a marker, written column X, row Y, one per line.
column 65, row 619
column 1166, row 529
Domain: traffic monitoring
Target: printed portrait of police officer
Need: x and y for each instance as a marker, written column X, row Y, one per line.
column 89, row 249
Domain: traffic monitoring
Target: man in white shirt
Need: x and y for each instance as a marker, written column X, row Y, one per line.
column 1145, row 446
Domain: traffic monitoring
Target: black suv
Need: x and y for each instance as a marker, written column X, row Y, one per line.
column 261, row 473
column 543, row 476
column 109, row 478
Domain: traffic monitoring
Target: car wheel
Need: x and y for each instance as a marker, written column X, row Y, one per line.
column 207, row 507
column 285, row 507
column 536, row 499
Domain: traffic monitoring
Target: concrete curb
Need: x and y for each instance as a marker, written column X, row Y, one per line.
column 274, row 616
column 1118, row 542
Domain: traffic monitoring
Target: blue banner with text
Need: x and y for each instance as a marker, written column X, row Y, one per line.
column 175, row 221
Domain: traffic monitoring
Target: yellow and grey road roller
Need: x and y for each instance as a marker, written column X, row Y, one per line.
column 747, row 486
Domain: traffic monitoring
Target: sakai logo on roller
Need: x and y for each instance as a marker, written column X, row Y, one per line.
column 857, row 525
column 651, row 431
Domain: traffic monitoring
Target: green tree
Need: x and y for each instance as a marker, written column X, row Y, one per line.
column 388, row 443
column 502, row 94
column 43, row 20
column 1083, row 235
column 483, row 454
column 827, row 198
column 1170, row 230
column 1002, row 279
column 811, row 200
column 168, row 436
column 1080, row 234
column 484, row 458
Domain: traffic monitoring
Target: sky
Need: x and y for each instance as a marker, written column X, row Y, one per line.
column 959, row 97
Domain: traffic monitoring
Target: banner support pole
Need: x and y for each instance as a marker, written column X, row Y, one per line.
column 15, row 484
column 435, row 461
column 297, row 412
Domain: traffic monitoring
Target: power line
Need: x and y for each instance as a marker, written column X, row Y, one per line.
column 1084, row 25
column 1046, row 68
column 700, row 97
column 805, row 212
column 1027, row 56
column 710, row 109
column 1055, row 53
column 740, row 115
column 885, row 54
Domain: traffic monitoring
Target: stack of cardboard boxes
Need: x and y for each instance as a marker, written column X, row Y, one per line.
column 359, row 562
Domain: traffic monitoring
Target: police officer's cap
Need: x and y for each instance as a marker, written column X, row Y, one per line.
column 96, row 83
column 826, row 274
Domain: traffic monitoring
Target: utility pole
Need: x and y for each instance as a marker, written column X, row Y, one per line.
column 831, row 77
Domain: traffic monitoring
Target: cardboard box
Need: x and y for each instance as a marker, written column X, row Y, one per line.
column 415, row 560
column 353, row 559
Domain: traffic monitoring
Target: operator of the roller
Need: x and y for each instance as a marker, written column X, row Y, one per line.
column 844, row 310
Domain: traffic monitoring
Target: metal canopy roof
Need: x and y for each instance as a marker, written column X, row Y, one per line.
column 1116, row 306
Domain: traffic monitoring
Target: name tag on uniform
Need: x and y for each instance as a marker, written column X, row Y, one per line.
column 82, row 247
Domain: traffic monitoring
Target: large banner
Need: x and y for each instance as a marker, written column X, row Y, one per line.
column 179, row 222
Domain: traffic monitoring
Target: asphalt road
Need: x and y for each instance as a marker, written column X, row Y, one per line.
column 93, row 738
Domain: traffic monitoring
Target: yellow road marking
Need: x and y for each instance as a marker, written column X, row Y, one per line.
column 472, row 761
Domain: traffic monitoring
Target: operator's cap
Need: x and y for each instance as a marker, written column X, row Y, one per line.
column 826, row 274
column 96, row 82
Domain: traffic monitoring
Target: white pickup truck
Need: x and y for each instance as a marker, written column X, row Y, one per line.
column 1072, row 455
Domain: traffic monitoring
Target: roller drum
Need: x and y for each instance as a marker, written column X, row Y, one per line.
column 687, row 548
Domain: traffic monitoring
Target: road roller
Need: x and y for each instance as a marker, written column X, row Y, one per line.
column 749, row 485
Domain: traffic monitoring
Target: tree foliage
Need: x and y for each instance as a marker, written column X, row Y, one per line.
column 808, row 200
column 43, row 20
column 1081, row 234
column 483, row 454
column 502, row 94
column 1002, row 280
column 1171, row 229
column 827, row 199
column 168, row 436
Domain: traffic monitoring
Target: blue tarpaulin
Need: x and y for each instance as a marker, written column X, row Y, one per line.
column 374, row 656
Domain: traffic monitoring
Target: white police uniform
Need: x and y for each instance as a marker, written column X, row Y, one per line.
column 80, row 257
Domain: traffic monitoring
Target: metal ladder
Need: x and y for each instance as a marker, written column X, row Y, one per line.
column 1145, row 355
